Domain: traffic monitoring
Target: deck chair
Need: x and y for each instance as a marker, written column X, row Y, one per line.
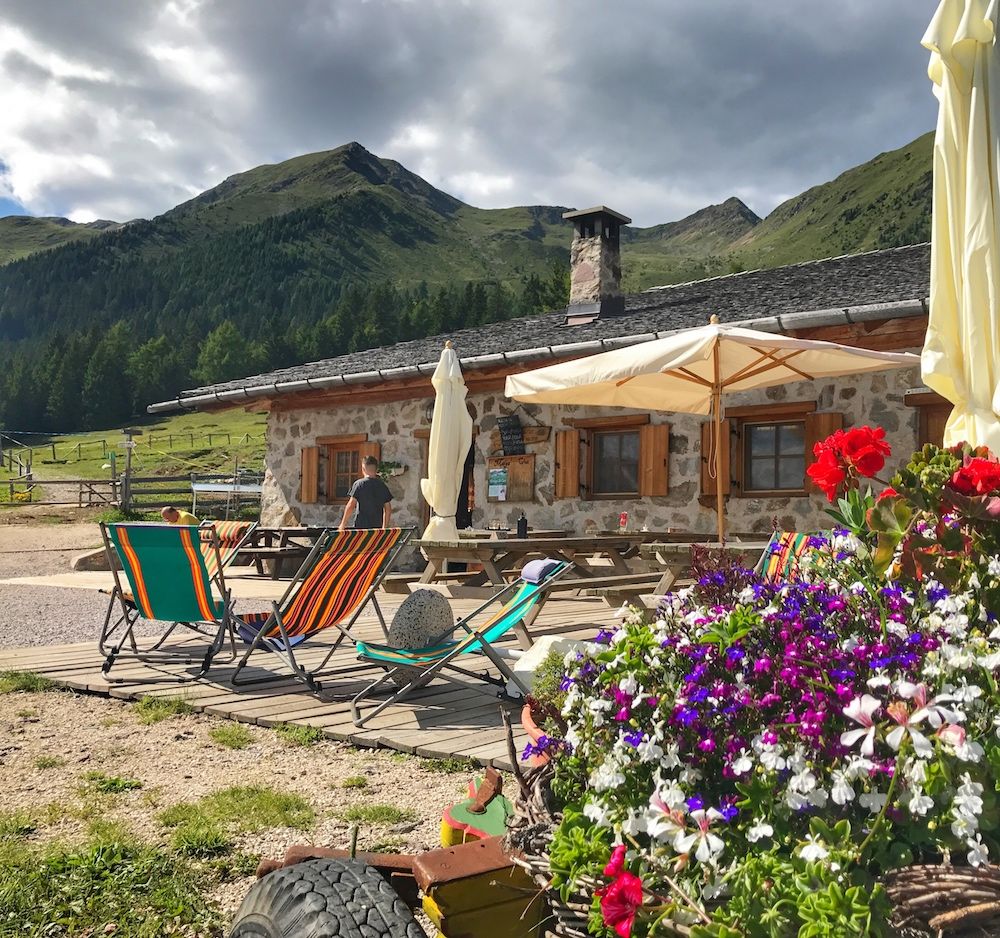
column 168, row 581
column 782, row 556
column 414, row 667
column 334, row 584
column 230, row 535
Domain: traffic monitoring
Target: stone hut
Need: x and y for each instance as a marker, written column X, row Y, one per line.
column 583, row 466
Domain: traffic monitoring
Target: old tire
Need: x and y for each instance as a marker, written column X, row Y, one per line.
column 324, row 899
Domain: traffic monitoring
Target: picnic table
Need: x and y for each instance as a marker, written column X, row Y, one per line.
column 673, row 559
column 280, row 546
column 497, row 556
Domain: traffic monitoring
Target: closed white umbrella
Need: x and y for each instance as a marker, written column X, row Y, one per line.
column 688, row 372
column 961, row 357
column 451, row 437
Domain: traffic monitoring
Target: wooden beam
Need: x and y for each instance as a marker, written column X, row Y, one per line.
column 776, row 409
column 596, row 423
column 345, row 439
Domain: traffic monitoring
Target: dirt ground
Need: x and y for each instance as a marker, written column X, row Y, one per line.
column 176, row 760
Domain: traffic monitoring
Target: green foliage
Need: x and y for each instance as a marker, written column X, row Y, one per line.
column 231, row 736
column 242, row 808
column 58, row 889
column 200, row 837
column 151, row 710
column 578, row 846
column 49, row 762
column 294, row 734
column 25, row 681
column 449, row 766
column 16, row 825
column 378, row 814
column 354, row 781
column 109, row 784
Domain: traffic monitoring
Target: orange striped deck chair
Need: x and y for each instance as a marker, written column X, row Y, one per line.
column 167, row 581
column 335, row 583
column 230, row 535
column 782, row 556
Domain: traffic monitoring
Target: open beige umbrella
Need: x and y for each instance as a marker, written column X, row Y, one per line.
column 961, row 356
column 688, row 372
column 451, row 437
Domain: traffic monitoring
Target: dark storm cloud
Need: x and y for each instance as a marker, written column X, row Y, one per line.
column 656, row 107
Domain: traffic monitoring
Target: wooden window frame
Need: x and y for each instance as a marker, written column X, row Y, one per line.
column 591, row 456
column 745, row 457
column 785, row 413
column 329, row 447
column 933, row 411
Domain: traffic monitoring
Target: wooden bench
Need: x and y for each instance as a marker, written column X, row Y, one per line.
column 278, row 555
column 400, row 582
column 614, row 589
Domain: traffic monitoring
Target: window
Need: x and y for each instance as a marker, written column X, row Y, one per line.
column 331, row 467
column 615, row 462
column 775, row 456
column 343, row 469
column 932, row 414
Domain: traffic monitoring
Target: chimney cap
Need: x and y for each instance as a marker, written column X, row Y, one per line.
column 597, row 210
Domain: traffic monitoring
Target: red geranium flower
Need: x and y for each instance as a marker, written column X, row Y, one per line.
column 977, row 477
column 865, row 449
column 616, row 862
column 619, row 902
column 827, row 473
column 888, row 492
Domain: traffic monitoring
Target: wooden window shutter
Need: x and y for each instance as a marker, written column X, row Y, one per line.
column 309, row 475
column 370, row 449
column 708, row 483
column 567, row 469
column 654, row 451
column 819, row 427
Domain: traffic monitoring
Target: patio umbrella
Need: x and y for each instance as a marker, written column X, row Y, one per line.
column 961, row 356
column 451, row 437
column 688, row 372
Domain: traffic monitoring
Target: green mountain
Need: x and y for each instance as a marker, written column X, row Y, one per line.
column 21, row 235
column 340, row 251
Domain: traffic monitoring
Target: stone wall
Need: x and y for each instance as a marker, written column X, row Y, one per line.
column 875, row 399
column 595, row 270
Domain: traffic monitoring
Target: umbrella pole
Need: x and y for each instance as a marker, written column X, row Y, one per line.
column 717, row 417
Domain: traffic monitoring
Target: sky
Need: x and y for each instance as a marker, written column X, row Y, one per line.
column 124, row 108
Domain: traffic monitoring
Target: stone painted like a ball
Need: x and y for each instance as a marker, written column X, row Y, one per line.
column 424, row 617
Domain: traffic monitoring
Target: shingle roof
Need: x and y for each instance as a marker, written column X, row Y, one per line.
column 875, row 277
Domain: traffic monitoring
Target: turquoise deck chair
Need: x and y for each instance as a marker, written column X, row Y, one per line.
column 168, row 581
column 412, row 668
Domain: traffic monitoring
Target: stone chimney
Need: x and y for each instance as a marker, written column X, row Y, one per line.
column 595, row 265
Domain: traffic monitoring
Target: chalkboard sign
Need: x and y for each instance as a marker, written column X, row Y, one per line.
column 511, row 435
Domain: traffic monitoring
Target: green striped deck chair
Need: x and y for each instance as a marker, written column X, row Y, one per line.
column 333, row 586
column 230, row 535
column 412, row 668
column 781, row 558
column 167, row 581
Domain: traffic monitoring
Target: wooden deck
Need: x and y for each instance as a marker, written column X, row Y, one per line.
column 439, row 721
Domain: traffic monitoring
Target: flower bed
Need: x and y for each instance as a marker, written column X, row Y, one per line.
column 756, row 758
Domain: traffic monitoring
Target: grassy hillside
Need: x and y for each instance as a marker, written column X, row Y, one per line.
column 21, row 235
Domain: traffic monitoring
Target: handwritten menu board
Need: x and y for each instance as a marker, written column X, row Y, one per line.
column 510, row 478
column 511, row 435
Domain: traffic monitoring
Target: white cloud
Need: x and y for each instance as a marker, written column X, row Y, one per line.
column 122, row 108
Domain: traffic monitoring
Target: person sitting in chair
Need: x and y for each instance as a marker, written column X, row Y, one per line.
column 172, row 516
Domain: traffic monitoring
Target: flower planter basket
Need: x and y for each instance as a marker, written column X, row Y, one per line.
column 946, row 900
column 535, row 733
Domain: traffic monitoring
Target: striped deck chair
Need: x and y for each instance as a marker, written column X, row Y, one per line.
column 781, row 558
column 414, row 667
column 231, row 536
column 168, row 581
column 334, row 584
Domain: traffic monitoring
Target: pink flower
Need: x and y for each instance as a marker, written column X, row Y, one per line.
column 860, row 710
column 952, row 735
column 619, row 901
column 616, row 862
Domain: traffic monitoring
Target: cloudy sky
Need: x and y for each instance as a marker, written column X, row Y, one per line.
column 123, row 108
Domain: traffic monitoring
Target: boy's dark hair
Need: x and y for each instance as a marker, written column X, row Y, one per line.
column 370, row 461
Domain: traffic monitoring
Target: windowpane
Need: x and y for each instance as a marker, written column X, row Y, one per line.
column 761, row 439
column 791, row 472
column 616, row 462
column 791, row 439
column 761, row 474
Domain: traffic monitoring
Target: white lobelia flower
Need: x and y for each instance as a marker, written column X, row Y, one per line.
column 813, row 849
column 709, row 845
column 742, row 764
column 879, row 680
column 759, row 830
column 919, row 803
column 671, row 758
column 649, row 750
column 634, row 823
column 993, row 566
column 874, row 801
column 968, row 800
column 629, row 685
column 978, row 852
column 860, row 710
column 841, row 791
column 664, row 819
column 597, row 811
column 607, row 775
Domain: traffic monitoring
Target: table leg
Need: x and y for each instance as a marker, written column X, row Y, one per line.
column 431, row 571
column 493, row 572
column 667, row 580
column 617, row 561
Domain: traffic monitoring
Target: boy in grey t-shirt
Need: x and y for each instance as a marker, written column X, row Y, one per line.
column 369, row 497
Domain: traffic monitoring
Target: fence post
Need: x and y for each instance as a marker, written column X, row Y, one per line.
column 104, row 447
column 79, row 455
column 53, row 452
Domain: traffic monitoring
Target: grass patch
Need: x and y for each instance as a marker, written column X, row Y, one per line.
column 15, row 825
column 291, row 734
column 77, row 890
column 233, row 866
column 389, row 845
column 26, row 714
column 109, row 784
column 378, row 814
column 231, row 736
column 354, row 781
column 151, row 710
column 49, row 762
column 200, row 837
column 250, row 808
column 449, row 766
column 26, row 681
